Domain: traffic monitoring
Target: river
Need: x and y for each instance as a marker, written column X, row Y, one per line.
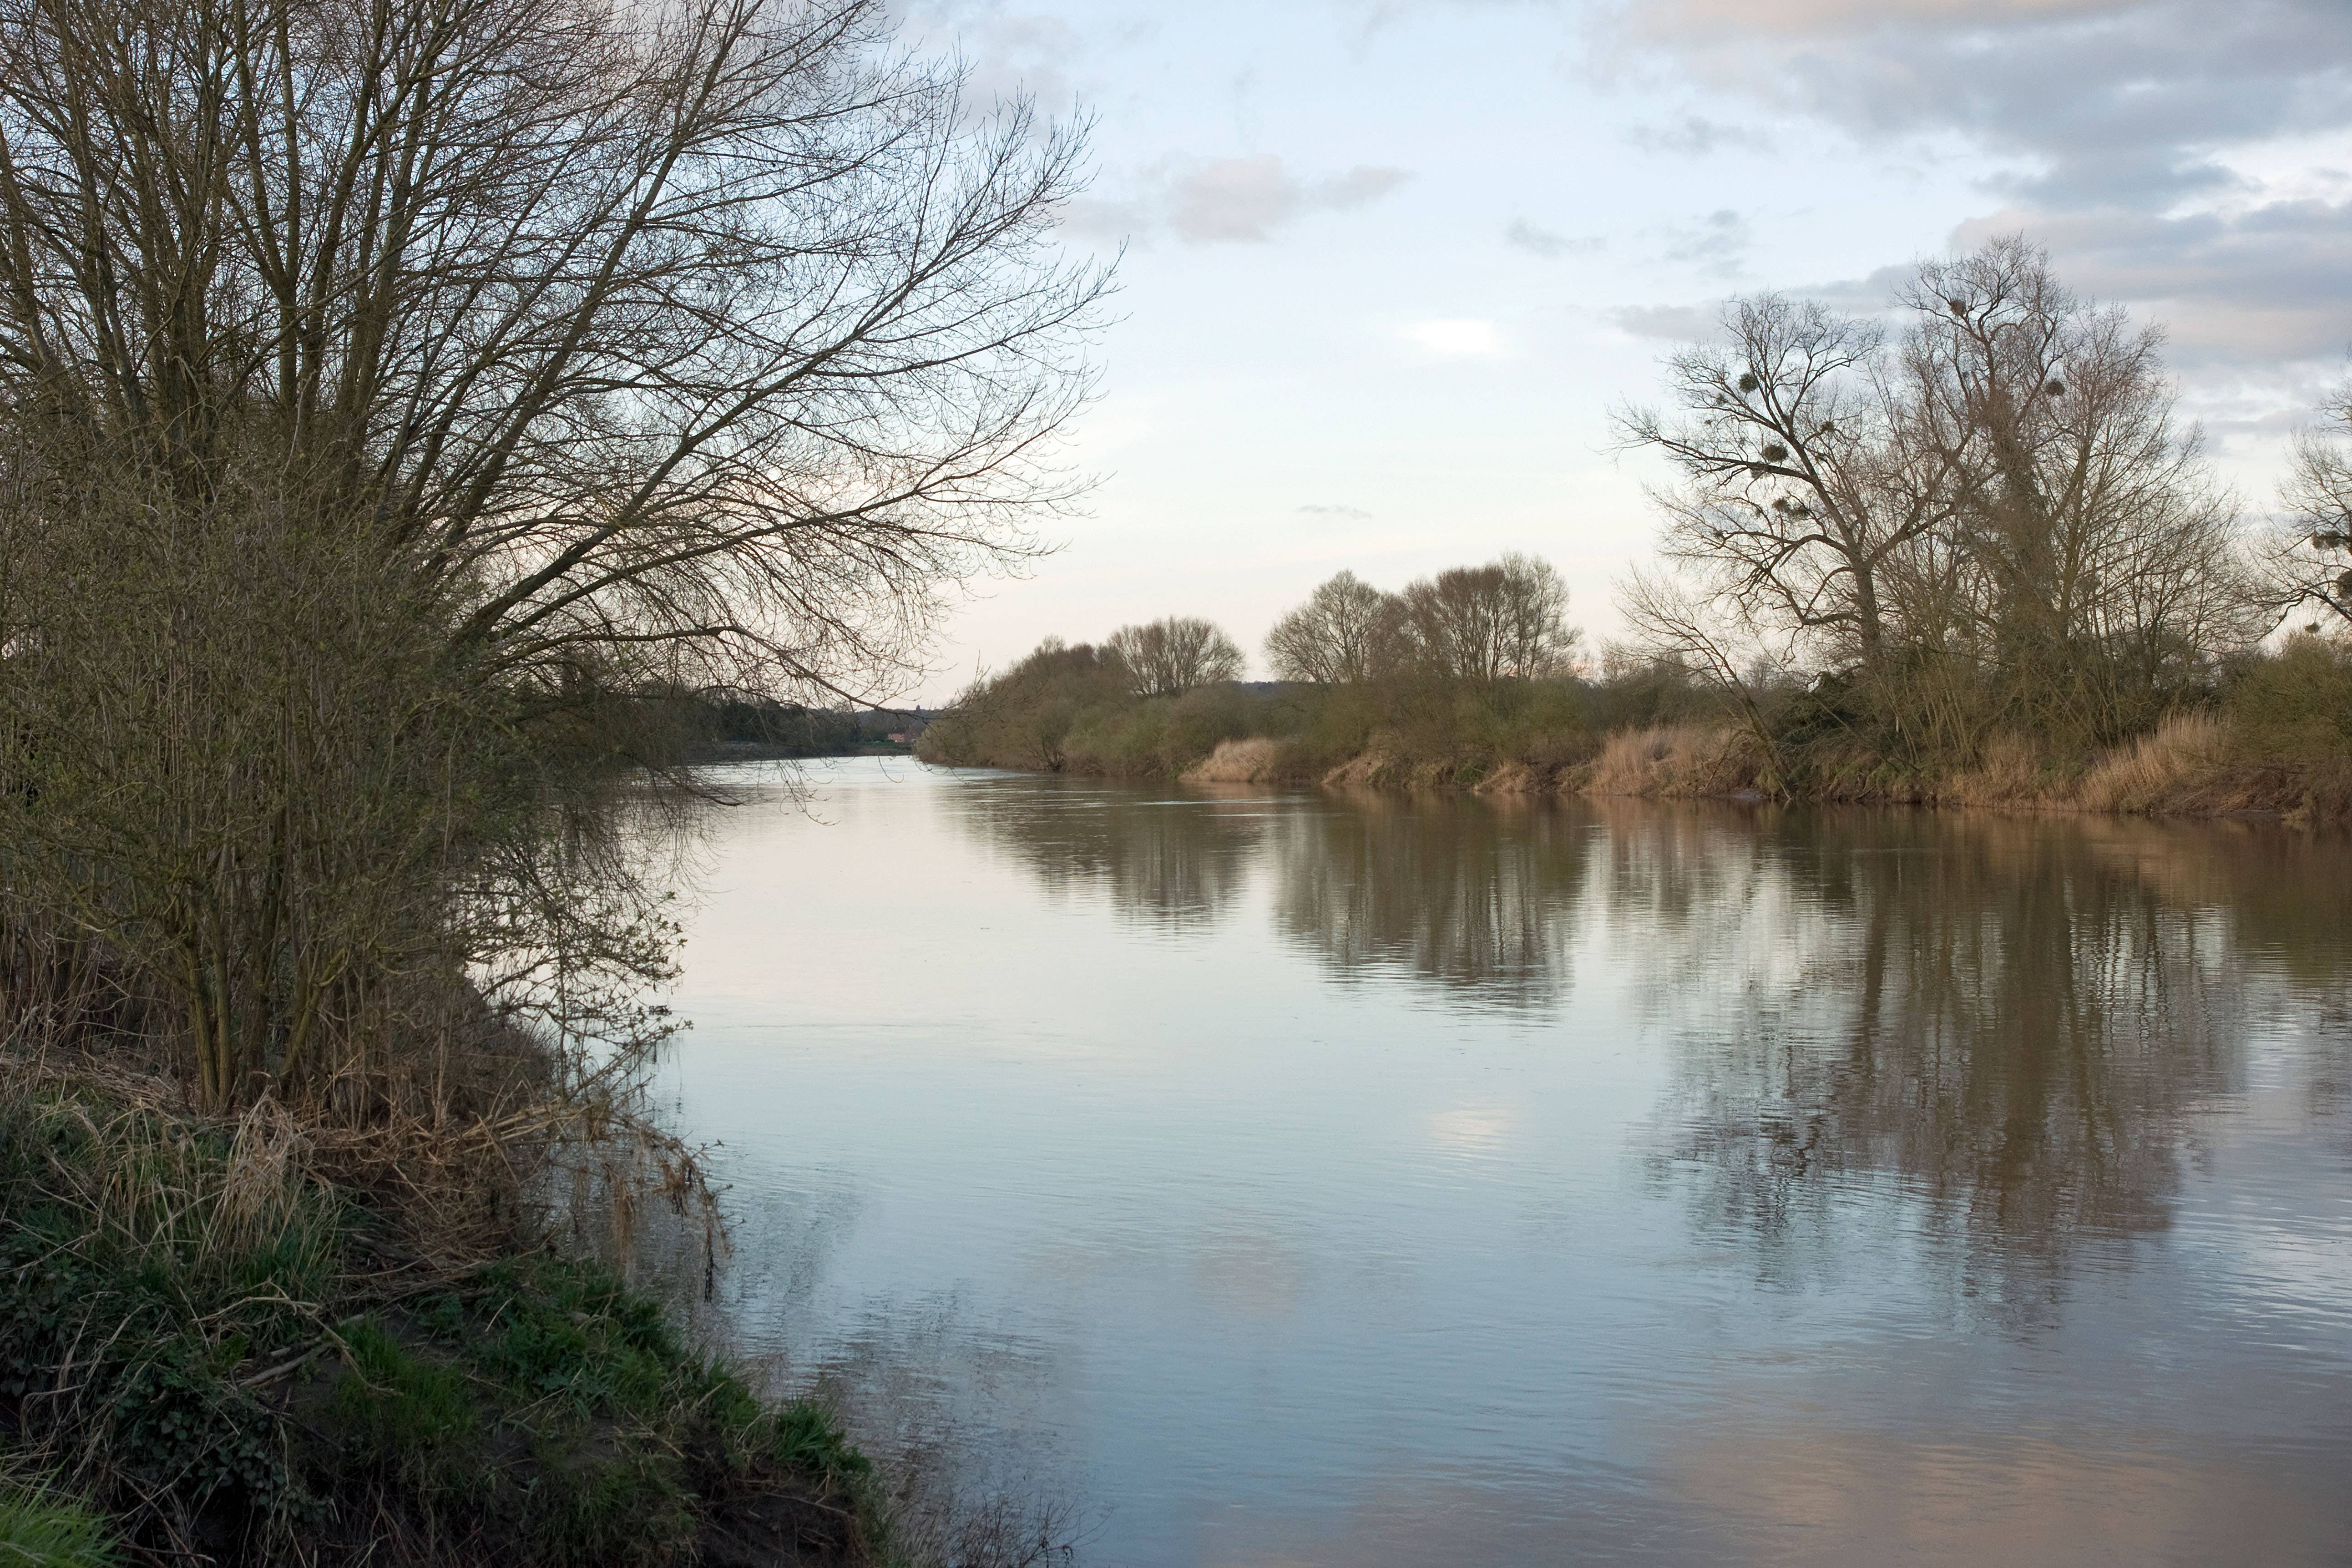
column 1298, row 1179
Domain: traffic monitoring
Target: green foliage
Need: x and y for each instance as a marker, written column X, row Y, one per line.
column 2297, row 706
column 622, row 1506
column 568, row 1331
column 153, row 1259
column 539, row 1411
column 43, row 1528
column 404, row 1410
column 1023, row 717
column 1159, row 735
column 808, row 1439
column 1067, row 709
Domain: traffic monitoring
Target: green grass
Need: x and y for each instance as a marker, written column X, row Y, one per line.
column 536, row 1411
column 548, row 1408
column 42, row 1528
column 408, row 1412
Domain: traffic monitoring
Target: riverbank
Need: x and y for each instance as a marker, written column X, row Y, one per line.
column 2271, row 737
column 219, row 1349
column 2189, row 767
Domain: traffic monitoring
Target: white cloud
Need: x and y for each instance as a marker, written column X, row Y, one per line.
column 1455, row 339
column 1545, row 243
column 1678, row 324
column 1247, row 199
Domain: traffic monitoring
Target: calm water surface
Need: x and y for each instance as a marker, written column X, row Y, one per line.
column 1306, row 1180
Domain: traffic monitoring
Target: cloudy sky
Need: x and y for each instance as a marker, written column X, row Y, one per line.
column 1389, row 262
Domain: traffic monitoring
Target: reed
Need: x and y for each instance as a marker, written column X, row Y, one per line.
column 1675, row 760
column 2188, row 750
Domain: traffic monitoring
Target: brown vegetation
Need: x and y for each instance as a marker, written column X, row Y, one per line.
column 405, row 413
column 1977, row 561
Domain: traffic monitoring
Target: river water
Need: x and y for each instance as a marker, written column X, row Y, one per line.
column 1300, row 1179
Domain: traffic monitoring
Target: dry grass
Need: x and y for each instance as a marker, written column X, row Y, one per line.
column 1253, row 760
column 1516, row 778
column 1675, row 760
column 2195, row 764
column 2010, row 771
column 2186, row 751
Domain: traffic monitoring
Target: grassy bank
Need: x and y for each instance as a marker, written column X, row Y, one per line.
column 2272, row 735
column 211, row 1349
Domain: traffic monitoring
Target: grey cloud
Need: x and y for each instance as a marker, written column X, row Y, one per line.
column 1543, row 242
column 2122, row 116
column 2126, row 97
column 1716, row 243
column 1695, row 137
column 1247, row 199
column 2269, row 286
column 2256, row 307
column 1354, row 513
column 1676, row 323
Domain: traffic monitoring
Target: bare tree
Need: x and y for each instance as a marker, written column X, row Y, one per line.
column 1670, row 624
column 1997, row 521
column 1171, row 656
column 1506, row 620
column 2102, row 559
column 713, row 333
column 384, row 388
column 1796, row 489
column 1347, row 632
column 2314, row 565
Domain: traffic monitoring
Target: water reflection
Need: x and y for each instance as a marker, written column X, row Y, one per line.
column 1371, row 1182
column 2005, row 1020
column 1471, row 897
column 1476, row 898
column 1173, row 862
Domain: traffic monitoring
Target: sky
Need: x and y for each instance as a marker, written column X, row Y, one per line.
column 1387, row 264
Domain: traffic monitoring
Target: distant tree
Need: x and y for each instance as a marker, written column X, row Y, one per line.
column 1176, row 653
column 1506, row 620
column 1023, row 716
column 1348, row 632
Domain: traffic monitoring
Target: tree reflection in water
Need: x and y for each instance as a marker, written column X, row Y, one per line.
column 1473, row 897
column 2005, row 1018
column 1172, row 862
column 1993, row 1028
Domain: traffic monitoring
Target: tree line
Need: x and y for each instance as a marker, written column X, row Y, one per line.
column 1890, row 545
column 1983, row 517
